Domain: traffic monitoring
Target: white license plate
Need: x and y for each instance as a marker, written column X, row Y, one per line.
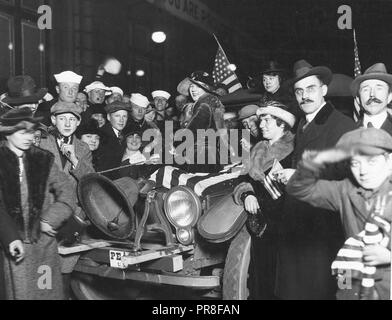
column 115, row 259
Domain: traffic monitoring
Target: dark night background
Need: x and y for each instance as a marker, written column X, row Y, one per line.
column 85, row 31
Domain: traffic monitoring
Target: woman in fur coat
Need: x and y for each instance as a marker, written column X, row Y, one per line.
column 35, row 200
column 276, row 123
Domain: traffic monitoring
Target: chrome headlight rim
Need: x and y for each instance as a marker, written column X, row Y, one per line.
column 193, row 196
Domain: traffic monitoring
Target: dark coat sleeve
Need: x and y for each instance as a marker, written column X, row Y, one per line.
column 8, row 229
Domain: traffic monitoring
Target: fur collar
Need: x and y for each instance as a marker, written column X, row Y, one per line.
column 37, row 163
column 263, row 154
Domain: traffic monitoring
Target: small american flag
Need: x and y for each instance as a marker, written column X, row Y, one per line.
column 357, row 72
column 222, row 73
column 270, row 184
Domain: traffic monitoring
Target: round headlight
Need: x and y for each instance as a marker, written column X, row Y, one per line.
column 182, row 207
column 185, row 236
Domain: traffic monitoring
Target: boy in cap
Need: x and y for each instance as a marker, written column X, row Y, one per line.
column 247, row 116
column 112, row 146
column 363, row 200
column 36, row 199
column 67, row 88
column 71, row 155
column 372, row 91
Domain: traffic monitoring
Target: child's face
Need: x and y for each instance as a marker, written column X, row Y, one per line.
column 134, row 142
column 371, row 171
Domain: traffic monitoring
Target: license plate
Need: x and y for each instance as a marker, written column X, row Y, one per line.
column 115, row 259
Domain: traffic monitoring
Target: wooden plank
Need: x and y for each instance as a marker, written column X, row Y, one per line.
column 170, row 264
column 85, row 245
column 154, row 255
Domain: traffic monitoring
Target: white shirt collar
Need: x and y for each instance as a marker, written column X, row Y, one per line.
column 116, row 132
column 309, row 117
column 376, row 120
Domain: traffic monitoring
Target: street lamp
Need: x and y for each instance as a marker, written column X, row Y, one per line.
column 158, row 37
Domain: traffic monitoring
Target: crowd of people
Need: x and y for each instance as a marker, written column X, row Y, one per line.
column 333, row 174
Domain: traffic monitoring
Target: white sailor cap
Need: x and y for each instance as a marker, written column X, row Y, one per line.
column 139, row 100
column 98, row 85
column 117, row 90
column 68, row 76
column 161, row 93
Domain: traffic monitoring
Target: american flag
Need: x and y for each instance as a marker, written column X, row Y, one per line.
column 357, row 72
column 270, row 184
column 222, row 73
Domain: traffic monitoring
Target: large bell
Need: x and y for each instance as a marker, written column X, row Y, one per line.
column 109, row 204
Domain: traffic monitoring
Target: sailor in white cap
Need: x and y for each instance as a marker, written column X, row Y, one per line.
column 117, row 95
column 67, row 88
column 96, row 92
column 161, row 99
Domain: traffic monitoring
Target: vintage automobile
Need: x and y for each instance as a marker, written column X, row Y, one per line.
column 174, row 237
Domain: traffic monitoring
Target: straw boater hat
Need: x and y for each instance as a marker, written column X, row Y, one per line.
column 23, row 90
column 18, row 119
column 377, row 71
column 303, row 69
column 200, row 78
column 277, row 110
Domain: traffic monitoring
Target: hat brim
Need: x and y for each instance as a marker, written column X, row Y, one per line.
column 323, row 72
column 183, row 86
column 25, row 100
column 115, row 109
column 377, row 76
column 77, row 115
column 22, row 125
column 284, row 115
column 363, row 149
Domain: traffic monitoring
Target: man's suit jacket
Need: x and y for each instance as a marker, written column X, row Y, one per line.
column 110, row 152
column 310, row 237
column 387, row 125
column 82, row 152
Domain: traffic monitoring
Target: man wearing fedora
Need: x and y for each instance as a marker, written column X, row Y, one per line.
column 36, row 199
column 67, row 88
column 372, row 90
column 23, row 92
column 310, row 236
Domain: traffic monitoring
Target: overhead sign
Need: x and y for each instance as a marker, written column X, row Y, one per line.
column 194, row 12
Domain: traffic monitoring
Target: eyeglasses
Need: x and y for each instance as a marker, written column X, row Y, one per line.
column 308, row 90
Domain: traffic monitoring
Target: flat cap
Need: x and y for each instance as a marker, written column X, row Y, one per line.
column 117, row 106
column 61, row 107
column 367, row 141
column 247, row 111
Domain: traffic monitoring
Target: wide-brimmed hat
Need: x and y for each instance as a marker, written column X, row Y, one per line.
column 278, row 110
column 303, row 69
column 377, row 71
column 272, row 67
column 200, row 78
column 23, row 90
column 18, row 119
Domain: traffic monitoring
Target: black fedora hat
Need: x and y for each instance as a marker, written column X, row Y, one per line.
column 200, row 78
column 272, row 67
column 18, row 119
column 303, row 69
column 23, row 90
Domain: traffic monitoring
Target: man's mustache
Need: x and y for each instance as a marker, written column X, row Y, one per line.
column 306, row 101
column 371, row 100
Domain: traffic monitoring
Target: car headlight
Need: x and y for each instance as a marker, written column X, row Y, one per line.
column 183, row 209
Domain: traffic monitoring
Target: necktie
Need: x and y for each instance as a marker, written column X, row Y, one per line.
column 120, row 137
column 306, row 124
column 370, row 125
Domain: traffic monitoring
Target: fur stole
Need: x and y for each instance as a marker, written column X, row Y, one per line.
column 37, row 164
column 263, row 154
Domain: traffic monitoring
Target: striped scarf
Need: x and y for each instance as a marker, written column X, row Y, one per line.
column 350, row 256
